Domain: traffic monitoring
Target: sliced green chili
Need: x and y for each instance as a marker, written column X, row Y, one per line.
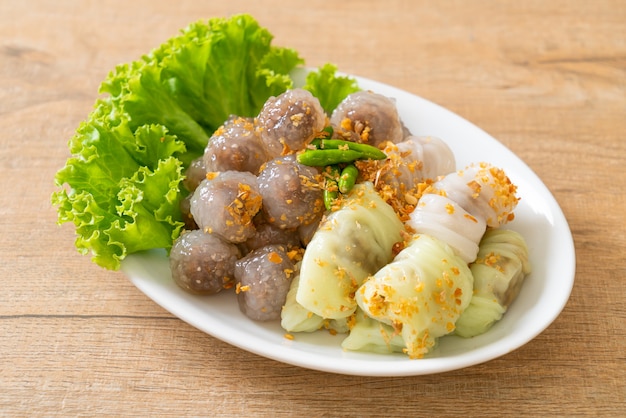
column 347, row 179
column 330, row 186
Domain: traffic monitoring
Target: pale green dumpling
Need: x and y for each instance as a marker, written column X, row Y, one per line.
column 421, row 294
column 367, row 334
column 349, row 245
column 499, row 270
column 295, row 317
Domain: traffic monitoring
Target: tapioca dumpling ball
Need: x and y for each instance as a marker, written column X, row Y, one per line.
column 263, row 279
column 306, row 232
column 292, row 195
column 203, row 263
column 235, row 146
column 194, row 174
column 267, row 234
column 226, row 205
column 370, row 118
column 185, row 211
column 289, row 121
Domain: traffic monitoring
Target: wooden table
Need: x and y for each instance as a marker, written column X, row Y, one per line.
column 547, row 78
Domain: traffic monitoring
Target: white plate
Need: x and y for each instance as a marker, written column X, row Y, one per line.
column 544, row 294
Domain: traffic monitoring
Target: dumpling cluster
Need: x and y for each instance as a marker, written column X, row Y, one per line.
column 413, row 252
column 248, row 198
column 424, row 292
column 249, row 194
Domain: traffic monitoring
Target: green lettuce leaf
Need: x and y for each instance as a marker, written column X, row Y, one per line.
column 122, row 185
column 328, row 87
column 195, row 81
column 121, row 191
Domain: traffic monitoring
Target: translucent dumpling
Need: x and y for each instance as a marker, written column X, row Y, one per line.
column 350, row 244
column 367, row 334
column 442, row 218
column 482, row 190
column 499, row 271
column 459, row 207
column 295, row 317
column 415, row 160
column 421, row 294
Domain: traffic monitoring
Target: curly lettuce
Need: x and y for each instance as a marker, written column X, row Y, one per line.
column 329, row 87
column 122, row 185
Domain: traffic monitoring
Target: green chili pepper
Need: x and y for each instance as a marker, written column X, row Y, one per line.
column 329, row 197
column 336, row 151
column 347, row 179
column 317, row 143
column 330, row 186
column 324, row 157
column 368, row 151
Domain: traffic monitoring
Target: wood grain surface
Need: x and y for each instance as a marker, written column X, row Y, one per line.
column 547, row 78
